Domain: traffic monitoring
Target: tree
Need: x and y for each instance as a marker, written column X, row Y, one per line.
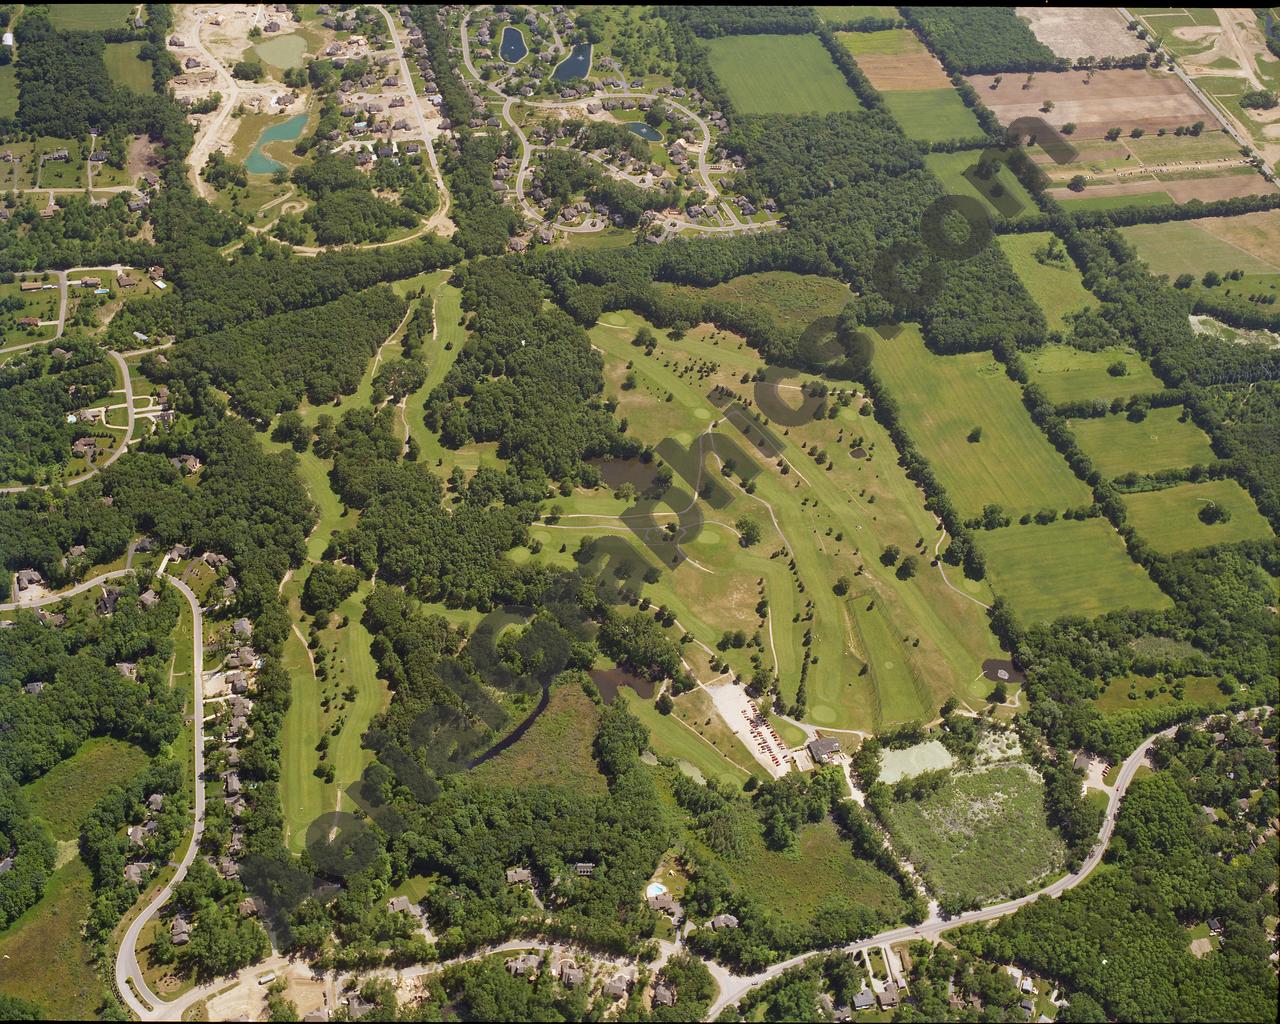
column 975, row 435
column 748, row 531
column 664, row 703
column 907, row 568
column 841, row 586
column 890, row 554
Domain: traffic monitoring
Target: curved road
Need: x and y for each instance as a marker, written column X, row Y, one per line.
column 128, row 974
column 733, row 988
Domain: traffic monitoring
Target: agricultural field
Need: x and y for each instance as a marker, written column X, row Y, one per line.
column 1067, row 374
column 1169, row 519
column 895, row 60
column 557, row 749
column 127, row 68
column 1054, row 283
column 950, row 169
column 89, row 17
column 1166, row 439
column 765, row 74
column 1068, row 567
column 932, row 115
column 843, row 14
column 1250, row 244
column 1075, row 32
column 981, row 836
column 942, row 400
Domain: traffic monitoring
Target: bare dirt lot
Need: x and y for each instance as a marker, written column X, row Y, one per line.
column 1081, row 31
column 912, row 68
column 1112, row 99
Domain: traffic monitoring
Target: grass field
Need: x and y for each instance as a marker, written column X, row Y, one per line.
column 89, row 17
column 942, row 398
column 1117, row 446
column 846, row 13
column 8, row 91
column 950, row 167
column 786, row 296
column 1131, row 694
column 669, row 738
column 932, row 115
column 820, row 871
column 898, row 691
column 983, row 835
column 64, row 795
column 1071, row 374
column 557, row 749
column 889, row 42
column 1056, row 287
column 767, row 74
column 1185, row 247
column 1169, row 519
column 1070, row 567
column 127, row 68
column 1073, row 201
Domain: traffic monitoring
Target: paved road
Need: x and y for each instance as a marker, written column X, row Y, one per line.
column 54, row 598
column 127, row 968
column 733, row 988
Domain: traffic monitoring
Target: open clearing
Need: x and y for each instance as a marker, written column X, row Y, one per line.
column 912, row 761
column 1197, row 246
column 1116, row 446
column 766, row 74
column 950, row 169
column 64, row 795
column 1056, row 286
column 1067, row 374
column 1170, row 519
column 1069, row 567
column 982, row 836
column 1081, row 31
column 942, row 398
column 127, row 68
column 784, row 295
column 932, row 115
column 1113, row 99
column 89, row 17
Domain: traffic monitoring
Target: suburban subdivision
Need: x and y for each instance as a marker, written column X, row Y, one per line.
column 639, row 513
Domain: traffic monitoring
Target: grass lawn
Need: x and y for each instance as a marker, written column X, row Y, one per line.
column 1169, row 519
column 557, row 749
column 1117, row 446
column 44, row 959
column 790, row 74
column 950, row 167
column 127, row 68
column 89, row 17
column 900, row 694
column 982, row 835
column 65, row 794
column 942, row 398
column 819, row 871
column 669, row 737
column 1069, row 567
column 1067, row 374
column 1056, row 287
column 932, row 115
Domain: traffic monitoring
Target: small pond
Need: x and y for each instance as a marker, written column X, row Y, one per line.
column 576, row 65
column 257, row 161
column 282, row 51
column 644, row 131
column 608, row 681
column 513, row 49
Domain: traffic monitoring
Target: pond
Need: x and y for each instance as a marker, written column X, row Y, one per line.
column 576, row 65
column 286, row 131
column 644, row 131
column 609, row 680
column 513, row 49
column 282, row 51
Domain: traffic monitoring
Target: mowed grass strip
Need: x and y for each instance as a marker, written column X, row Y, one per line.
column 1169, row 520
column 932, row 115
column 982, row 835
column 942, row 398
column 1067, row 374
column 1069, row 567
column 1116, row 445
column 1056, row 287
column 767, row 74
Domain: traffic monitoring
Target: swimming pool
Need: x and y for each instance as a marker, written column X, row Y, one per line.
column 654, row 889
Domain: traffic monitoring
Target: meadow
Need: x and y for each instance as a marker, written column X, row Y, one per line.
column 1002, row 192
column 1186, row 247
column 1169, row 519
column 64, row 795
column 1069, row 567
column 127, row 68
column 932, row 115
column 89, row 17
column 1161, row 441
column 1067, row 374
column 942, row 398
column 982, row 836
column 1056, row 286
column 770, row 74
